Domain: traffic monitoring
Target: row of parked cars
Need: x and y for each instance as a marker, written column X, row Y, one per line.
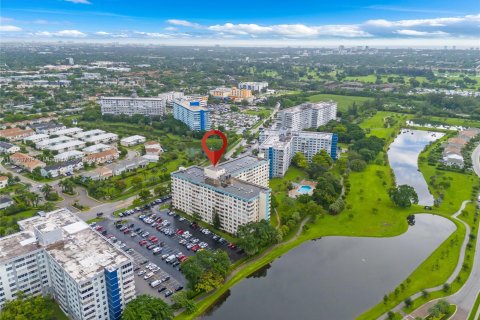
column 145, row 207
column 152, row 269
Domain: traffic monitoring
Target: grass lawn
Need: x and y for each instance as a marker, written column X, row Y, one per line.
column 343, row 101
column 459, row 188
column 98, row 219
column 377, row 125
column 474, row 311
column 468, row 215
column 371, row 213
column 454, row 121
column 7, row 222
column 58, row 314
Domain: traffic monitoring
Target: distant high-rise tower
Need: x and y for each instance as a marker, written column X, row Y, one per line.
column 70, row 61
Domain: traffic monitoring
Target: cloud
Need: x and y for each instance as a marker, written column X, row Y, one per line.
column 5, row 19
column 79, row 1
column 183, row 23
column 171, row 29
column 291, row 30
column 154, row 35
column 416, row 33
column 102, row 33
column 10, row 28
column 62, row 34
column 435, row 22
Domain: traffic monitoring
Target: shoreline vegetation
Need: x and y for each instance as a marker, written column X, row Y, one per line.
column 361, row 220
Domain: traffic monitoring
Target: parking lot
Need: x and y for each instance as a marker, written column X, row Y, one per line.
column 169, row 235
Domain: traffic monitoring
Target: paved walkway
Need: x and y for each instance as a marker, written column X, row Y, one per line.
column 471, row 282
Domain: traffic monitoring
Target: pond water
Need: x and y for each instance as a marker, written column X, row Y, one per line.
column 403, row 157
column 333, row 277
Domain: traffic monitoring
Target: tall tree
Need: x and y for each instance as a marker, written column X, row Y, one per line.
column 146, row 307
column 217, row 223
column 403, row 196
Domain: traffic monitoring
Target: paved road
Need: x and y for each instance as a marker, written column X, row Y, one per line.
column 476, row 160
column 230, row 152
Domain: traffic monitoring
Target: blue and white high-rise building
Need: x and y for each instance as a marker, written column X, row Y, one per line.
column 279, row 146
column 59, row 254
column 193, row 113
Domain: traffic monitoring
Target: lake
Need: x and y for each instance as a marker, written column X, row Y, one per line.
column 333, row 277
column 403, row 157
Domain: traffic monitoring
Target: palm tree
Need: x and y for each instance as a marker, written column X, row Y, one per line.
column 34, row 198
column 46, row 190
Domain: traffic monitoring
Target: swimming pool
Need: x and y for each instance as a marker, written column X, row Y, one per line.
column 304, row 189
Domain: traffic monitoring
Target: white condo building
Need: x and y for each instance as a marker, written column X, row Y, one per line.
column 237, row 190
column 279, row 147
column 59, row 254
column 307, row 115
column 253, row 86
column 133, row 105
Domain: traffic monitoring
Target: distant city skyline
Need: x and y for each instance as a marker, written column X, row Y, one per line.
column 264, row 23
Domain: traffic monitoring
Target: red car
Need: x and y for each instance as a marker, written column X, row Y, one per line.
column 183, row 258
column 159, row 220
column 153, row 239
column 195, row 248
column 100, row 228
column 232, row 245
column 159, row 227
column 180, row 231
column 126, row 231
column 143, row 242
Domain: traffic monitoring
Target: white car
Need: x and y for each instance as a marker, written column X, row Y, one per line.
column 148, row 275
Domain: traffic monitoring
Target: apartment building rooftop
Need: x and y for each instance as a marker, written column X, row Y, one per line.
column 240, row 164
column 81, row 251
column 134, row 98
column 89, row 133
column 17, row 244
column 231, row 186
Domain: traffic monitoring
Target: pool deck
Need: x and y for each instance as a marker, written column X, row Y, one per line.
column 294, row 192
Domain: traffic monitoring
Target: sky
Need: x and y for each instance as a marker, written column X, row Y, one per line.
column 257, row 23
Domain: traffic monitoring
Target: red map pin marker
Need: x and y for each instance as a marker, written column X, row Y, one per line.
column 214, row 155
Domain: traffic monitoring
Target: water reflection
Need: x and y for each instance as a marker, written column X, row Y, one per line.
column 334, row 277
column 403, row 157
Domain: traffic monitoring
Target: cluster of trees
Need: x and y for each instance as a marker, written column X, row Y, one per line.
column 206, row 270
column 368, row 148
column 146, row 307
column 327, row 193
column 294, row 211
column 29, row 307
column 113, row 188
column 255, row 236
column 347, row 131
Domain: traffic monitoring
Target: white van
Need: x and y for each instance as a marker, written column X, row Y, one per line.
column 170, row 259
column 155, row 283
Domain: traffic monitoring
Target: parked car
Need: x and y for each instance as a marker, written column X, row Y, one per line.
column 168, row 293
column 161, row 289
column 148, row 275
